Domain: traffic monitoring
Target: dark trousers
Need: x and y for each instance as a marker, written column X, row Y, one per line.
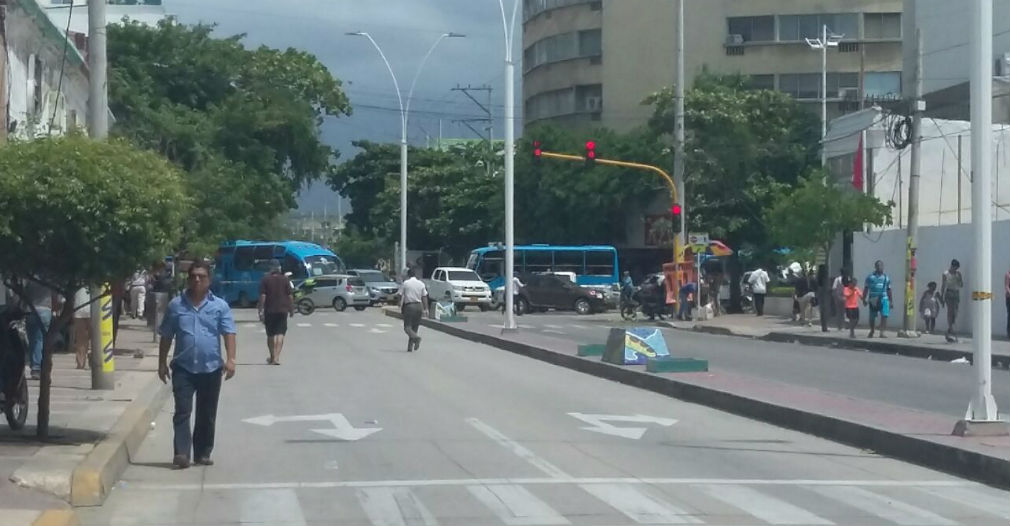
column 759, row 304
column 207, row 388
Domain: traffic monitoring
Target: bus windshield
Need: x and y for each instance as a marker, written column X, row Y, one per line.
column 323, row 265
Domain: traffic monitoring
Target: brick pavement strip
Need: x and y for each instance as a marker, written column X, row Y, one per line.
column 95, row 433
column 906, row 434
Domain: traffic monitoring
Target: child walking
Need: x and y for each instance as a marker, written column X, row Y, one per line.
column 852, row 297
column 929, row 306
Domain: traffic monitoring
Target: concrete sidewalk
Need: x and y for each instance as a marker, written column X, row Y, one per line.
column 915, row 436
column 780, row 329
column 91, row 433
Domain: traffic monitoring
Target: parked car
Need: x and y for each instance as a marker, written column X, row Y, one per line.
column 548, row 291
column 381, row 289
column 340, row 291
column 463, row 285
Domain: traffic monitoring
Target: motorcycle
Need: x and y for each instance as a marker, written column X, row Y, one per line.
column 628, row 305
column 303, row 303
column 13, row 384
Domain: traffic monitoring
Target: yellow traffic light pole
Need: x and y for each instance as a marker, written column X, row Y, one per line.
column 648, row 168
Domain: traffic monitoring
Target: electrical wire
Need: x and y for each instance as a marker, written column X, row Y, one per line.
column 898, row 130
column 63, row 65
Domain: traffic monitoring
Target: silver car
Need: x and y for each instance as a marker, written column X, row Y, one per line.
column 380, row 287
column 340, row 291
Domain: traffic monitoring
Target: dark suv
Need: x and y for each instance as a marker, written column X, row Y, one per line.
column 547, row 291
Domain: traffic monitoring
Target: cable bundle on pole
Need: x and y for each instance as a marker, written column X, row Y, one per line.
column 899, row 130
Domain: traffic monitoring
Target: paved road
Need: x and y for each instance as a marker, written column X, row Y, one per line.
column 463, row 434
column 916, row 383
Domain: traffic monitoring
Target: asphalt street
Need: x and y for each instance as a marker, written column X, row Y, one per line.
column 351, row 429
column 916, row 383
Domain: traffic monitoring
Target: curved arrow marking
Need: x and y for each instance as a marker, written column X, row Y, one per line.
column 598, row 424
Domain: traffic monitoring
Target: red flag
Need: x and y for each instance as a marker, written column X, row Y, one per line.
column 857, row 166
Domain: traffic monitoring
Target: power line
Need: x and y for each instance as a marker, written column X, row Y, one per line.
column 63, row 65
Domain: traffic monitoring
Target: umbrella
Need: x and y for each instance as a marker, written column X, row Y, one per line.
column 718, row 249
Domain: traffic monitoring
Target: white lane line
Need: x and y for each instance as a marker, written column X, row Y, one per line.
column 638, row 506
column 516, row 506
column 549, row 326
column 574, row 326
column 394, row 507
column 764, row 507
column 250, row 325
column 155, row 486
column 376, row 331
column 883, row 506
column 304, row 324
column 272, row 506
column 520, row 451
column 979, row 498
column 384, row 325
column 357, row 325
column 332, row 324
column 163, row 509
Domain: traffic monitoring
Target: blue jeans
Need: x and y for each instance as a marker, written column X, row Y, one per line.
column 206, row 387
column 37, row 327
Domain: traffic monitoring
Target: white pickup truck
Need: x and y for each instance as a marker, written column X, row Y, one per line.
column 463, row 285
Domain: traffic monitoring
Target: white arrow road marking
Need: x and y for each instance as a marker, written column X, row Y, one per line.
column 342, row 428
column 598, row 424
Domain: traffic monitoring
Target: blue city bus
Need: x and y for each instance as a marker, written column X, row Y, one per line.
column 239, row 266
column 593, row 265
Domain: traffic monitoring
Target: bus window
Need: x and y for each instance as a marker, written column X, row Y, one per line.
column 569, row 261
column 492, row 265
column 323, row 265
column 244, row 258
column 538, row 261
column 599, row 263
column 295, row 267
column 263, row 252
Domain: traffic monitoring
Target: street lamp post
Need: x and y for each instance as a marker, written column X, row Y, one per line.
column 404, row 112
column 509, row 31
column 822, row 44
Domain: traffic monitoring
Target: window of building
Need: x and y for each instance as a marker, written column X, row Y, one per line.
column 808, row 85
column 565, row 46
column 589, row 97
column 794, row 28
column 881, row 26
column 550, row 104
column 532, row 8
column 36, row 84
column 761, row 81
column 885, row 84
column 590, row 43
column 752, row 28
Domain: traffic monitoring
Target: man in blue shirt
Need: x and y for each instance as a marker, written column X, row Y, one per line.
column 877, row 294
column 196, row 320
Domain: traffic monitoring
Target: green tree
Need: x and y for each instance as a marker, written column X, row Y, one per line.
column 79, row 213
column 242, row 123
column 813, row 214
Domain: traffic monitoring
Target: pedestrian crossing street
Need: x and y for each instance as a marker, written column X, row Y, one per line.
column 552, row 501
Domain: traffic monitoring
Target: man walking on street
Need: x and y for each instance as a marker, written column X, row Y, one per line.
column 82, row 326
column 838, row 298
column 413, row 305
column 950, row 296
column 877, row 295
column 759, row 286
column 138, row 293
column 276, row 305
column 197, row 320
column 45, row 302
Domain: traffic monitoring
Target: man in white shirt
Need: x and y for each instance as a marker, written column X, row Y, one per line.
column 759, row 286
column 413, row 305
column 138, row 293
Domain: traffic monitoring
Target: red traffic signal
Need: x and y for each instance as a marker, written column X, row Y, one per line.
column 590, row 153
column 676, row 212
column 537, row 151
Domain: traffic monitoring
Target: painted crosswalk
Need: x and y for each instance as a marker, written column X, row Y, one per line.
column 534, row 502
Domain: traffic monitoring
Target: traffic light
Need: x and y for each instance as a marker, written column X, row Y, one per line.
column 676, row 212
column 537, row 151
column 590, row 154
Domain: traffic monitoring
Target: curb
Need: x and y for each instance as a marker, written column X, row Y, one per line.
column 874, row 346
column 56, row 518
column 94, row 477
column 966, row 464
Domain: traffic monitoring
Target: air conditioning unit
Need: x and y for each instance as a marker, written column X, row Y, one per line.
column 848, row 93
column 734, row 40
column 594, row 103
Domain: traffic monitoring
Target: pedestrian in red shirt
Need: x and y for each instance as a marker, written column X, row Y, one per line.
column 276, row 305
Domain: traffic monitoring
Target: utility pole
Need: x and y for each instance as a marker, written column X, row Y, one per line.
column 982, row 408
column 824, row 95
column 102, row 367
column 911, row 241
column 4, row 121
column 508, row 28
column 678, row 155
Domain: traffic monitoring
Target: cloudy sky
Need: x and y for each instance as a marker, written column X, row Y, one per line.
column 405, row 29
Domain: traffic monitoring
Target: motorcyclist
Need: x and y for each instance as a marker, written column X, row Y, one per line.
column 651, row 297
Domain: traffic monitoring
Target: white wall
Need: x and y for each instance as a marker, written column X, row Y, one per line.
column 146, row 14
column 27, row 39
column 937, row 246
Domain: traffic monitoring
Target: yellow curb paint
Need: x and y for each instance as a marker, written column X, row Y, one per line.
column 57, row 518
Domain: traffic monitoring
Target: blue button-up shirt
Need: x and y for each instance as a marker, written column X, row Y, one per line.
column 197, row 330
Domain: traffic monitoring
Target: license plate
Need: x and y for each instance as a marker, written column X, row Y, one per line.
column 473, row 300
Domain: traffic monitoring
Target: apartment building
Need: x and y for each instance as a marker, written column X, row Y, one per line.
column 592, row 62
column 144, row 11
